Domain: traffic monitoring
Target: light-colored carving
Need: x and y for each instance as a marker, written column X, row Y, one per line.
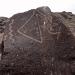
column 40, row 33
column 51, row 73
column 1, row 37
column 5, row 37
column 10, row 31
column 45, row 27
column 28, row 35
column 58, row 33
column 0, row 56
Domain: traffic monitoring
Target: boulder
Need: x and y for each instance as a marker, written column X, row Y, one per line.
column 38, row 42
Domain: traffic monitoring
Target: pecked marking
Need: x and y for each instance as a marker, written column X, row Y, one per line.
column 25, row 35
column 10, row 31
column 49, row 30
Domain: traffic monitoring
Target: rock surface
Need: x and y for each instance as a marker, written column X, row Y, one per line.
column 2, row 27
column 39, row 42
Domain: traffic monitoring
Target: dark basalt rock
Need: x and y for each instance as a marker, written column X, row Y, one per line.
column 2, row 27
column 2, row 23
column 38, row 42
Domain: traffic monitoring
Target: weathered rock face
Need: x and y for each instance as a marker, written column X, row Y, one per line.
column 2, row 27
column 38, row 42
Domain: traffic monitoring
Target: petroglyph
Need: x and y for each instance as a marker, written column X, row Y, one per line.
column 27, row 31
column 24, row 33
column 51, row 73
column 58, row 33
column 37, row 48
column 0, row 56
column 5, row 37
column 1, row 37
column 10, row 31
column 50, row 27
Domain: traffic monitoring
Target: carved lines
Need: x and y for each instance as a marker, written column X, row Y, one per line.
column 51, row 73
column 10, row 30
column 45, row 27
column 58, row 33
column 40, row 31
column 34, row 32
column 1, row 37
